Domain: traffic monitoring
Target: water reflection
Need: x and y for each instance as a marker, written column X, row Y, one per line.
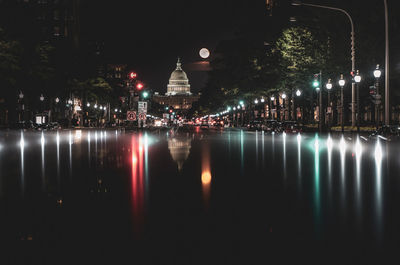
column 378, row 189
column 299, row 185
column 137, row 183
column 358, row 151
column 342, row 172
column 329, row 145
column 58, row 160
column 179, row 148
column 206, row 174
column 317, row 199
column 22, row 146
column 42, row 142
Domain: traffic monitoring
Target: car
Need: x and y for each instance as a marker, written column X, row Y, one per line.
column 387, row 132
column 291, row 127
column 24, row 125
column 204, row 124
column 270, row 126
column 255, row 125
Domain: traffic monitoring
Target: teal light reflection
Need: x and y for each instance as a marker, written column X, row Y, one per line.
column 317, row 195
column 299, row 183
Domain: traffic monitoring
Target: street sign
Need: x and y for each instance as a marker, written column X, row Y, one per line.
column 131, row 115
column 142, row 107
column 142, row 116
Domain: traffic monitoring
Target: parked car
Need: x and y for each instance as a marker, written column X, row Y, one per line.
column 271, row 126
column 387, row 132
column 291, row 127
column 255, row 125
column 24, row 125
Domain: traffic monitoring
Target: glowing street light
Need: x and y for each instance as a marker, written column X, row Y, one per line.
column 298, row 93
column 41, row 97
column 88, row 104
column 357, row 79
column 377, row 72
column 57, row 100
column 95, row 106
column 283, row 96
column 262, row 100
column 341, row 84
column 329, row 85
column 256, row 101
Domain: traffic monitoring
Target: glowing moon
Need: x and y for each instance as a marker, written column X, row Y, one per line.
column 204, row 53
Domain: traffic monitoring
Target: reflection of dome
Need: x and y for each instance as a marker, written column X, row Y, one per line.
column 178, row 81
column 180, row 150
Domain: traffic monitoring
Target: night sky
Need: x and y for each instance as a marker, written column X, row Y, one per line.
column 150, row 35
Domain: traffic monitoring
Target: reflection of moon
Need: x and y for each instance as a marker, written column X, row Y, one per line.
column 204, row 53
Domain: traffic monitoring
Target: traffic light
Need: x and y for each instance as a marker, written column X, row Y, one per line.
column 132, row 75
column 315, row 82
column 170, row 111
column 145, row 94
column 139, row 86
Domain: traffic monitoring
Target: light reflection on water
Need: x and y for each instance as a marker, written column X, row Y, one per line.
column 325, row 170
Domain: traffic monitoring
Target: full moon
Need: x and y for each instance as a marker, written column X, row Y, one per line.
column 204, row 53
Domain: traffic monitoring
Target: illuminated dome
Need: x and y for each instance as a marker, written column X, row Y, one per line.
column 178, row 82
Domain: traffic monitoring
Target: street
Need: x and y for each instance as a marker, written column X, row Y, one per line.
column 194, row 196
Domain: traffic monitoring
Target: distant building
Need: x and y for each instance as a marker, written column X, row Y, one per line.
column 178, row 93
column 50, row 19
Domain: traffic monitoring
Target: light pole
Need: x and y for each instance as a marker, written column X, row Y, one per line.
column 272, row 99
column 21, row 105
column 329, row 87
column 386, row 63
column 316, row 85
column 341, row 84
column 377, row 75
column 298, row 94
column 284, row 105
column 357, row 79
column 353, row 53
column 42, row 107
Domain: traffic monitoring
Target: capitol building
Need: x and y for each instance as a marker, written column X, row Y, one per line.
column 178, row 93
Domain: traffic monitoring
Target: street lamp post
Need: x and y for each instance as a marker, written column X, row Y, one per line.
column 298, row 94
column 377, row 75
column 353, row 53
column 284, row 106
column 272, row 99
column 357, row 79
column 21, row 105
column 386, row 63
column 329, row 111
column 341, row 84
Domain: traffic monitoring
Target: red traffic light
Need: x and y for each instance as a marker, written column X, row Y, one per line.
column 139, row 86
column 132, row 75
column 170, row 111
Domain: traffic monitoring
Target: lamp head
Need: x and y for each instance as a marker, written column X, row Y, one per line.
column 377, row 72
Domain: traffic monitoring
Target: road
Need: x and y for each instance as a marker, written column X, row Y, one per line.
column 197, row 197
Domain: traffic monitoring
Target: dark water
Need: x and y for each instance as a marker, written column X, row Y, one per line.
column 196, row 197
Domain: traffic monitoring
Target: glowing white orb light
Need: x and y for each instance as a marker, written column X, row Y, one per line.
column 204, row 53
